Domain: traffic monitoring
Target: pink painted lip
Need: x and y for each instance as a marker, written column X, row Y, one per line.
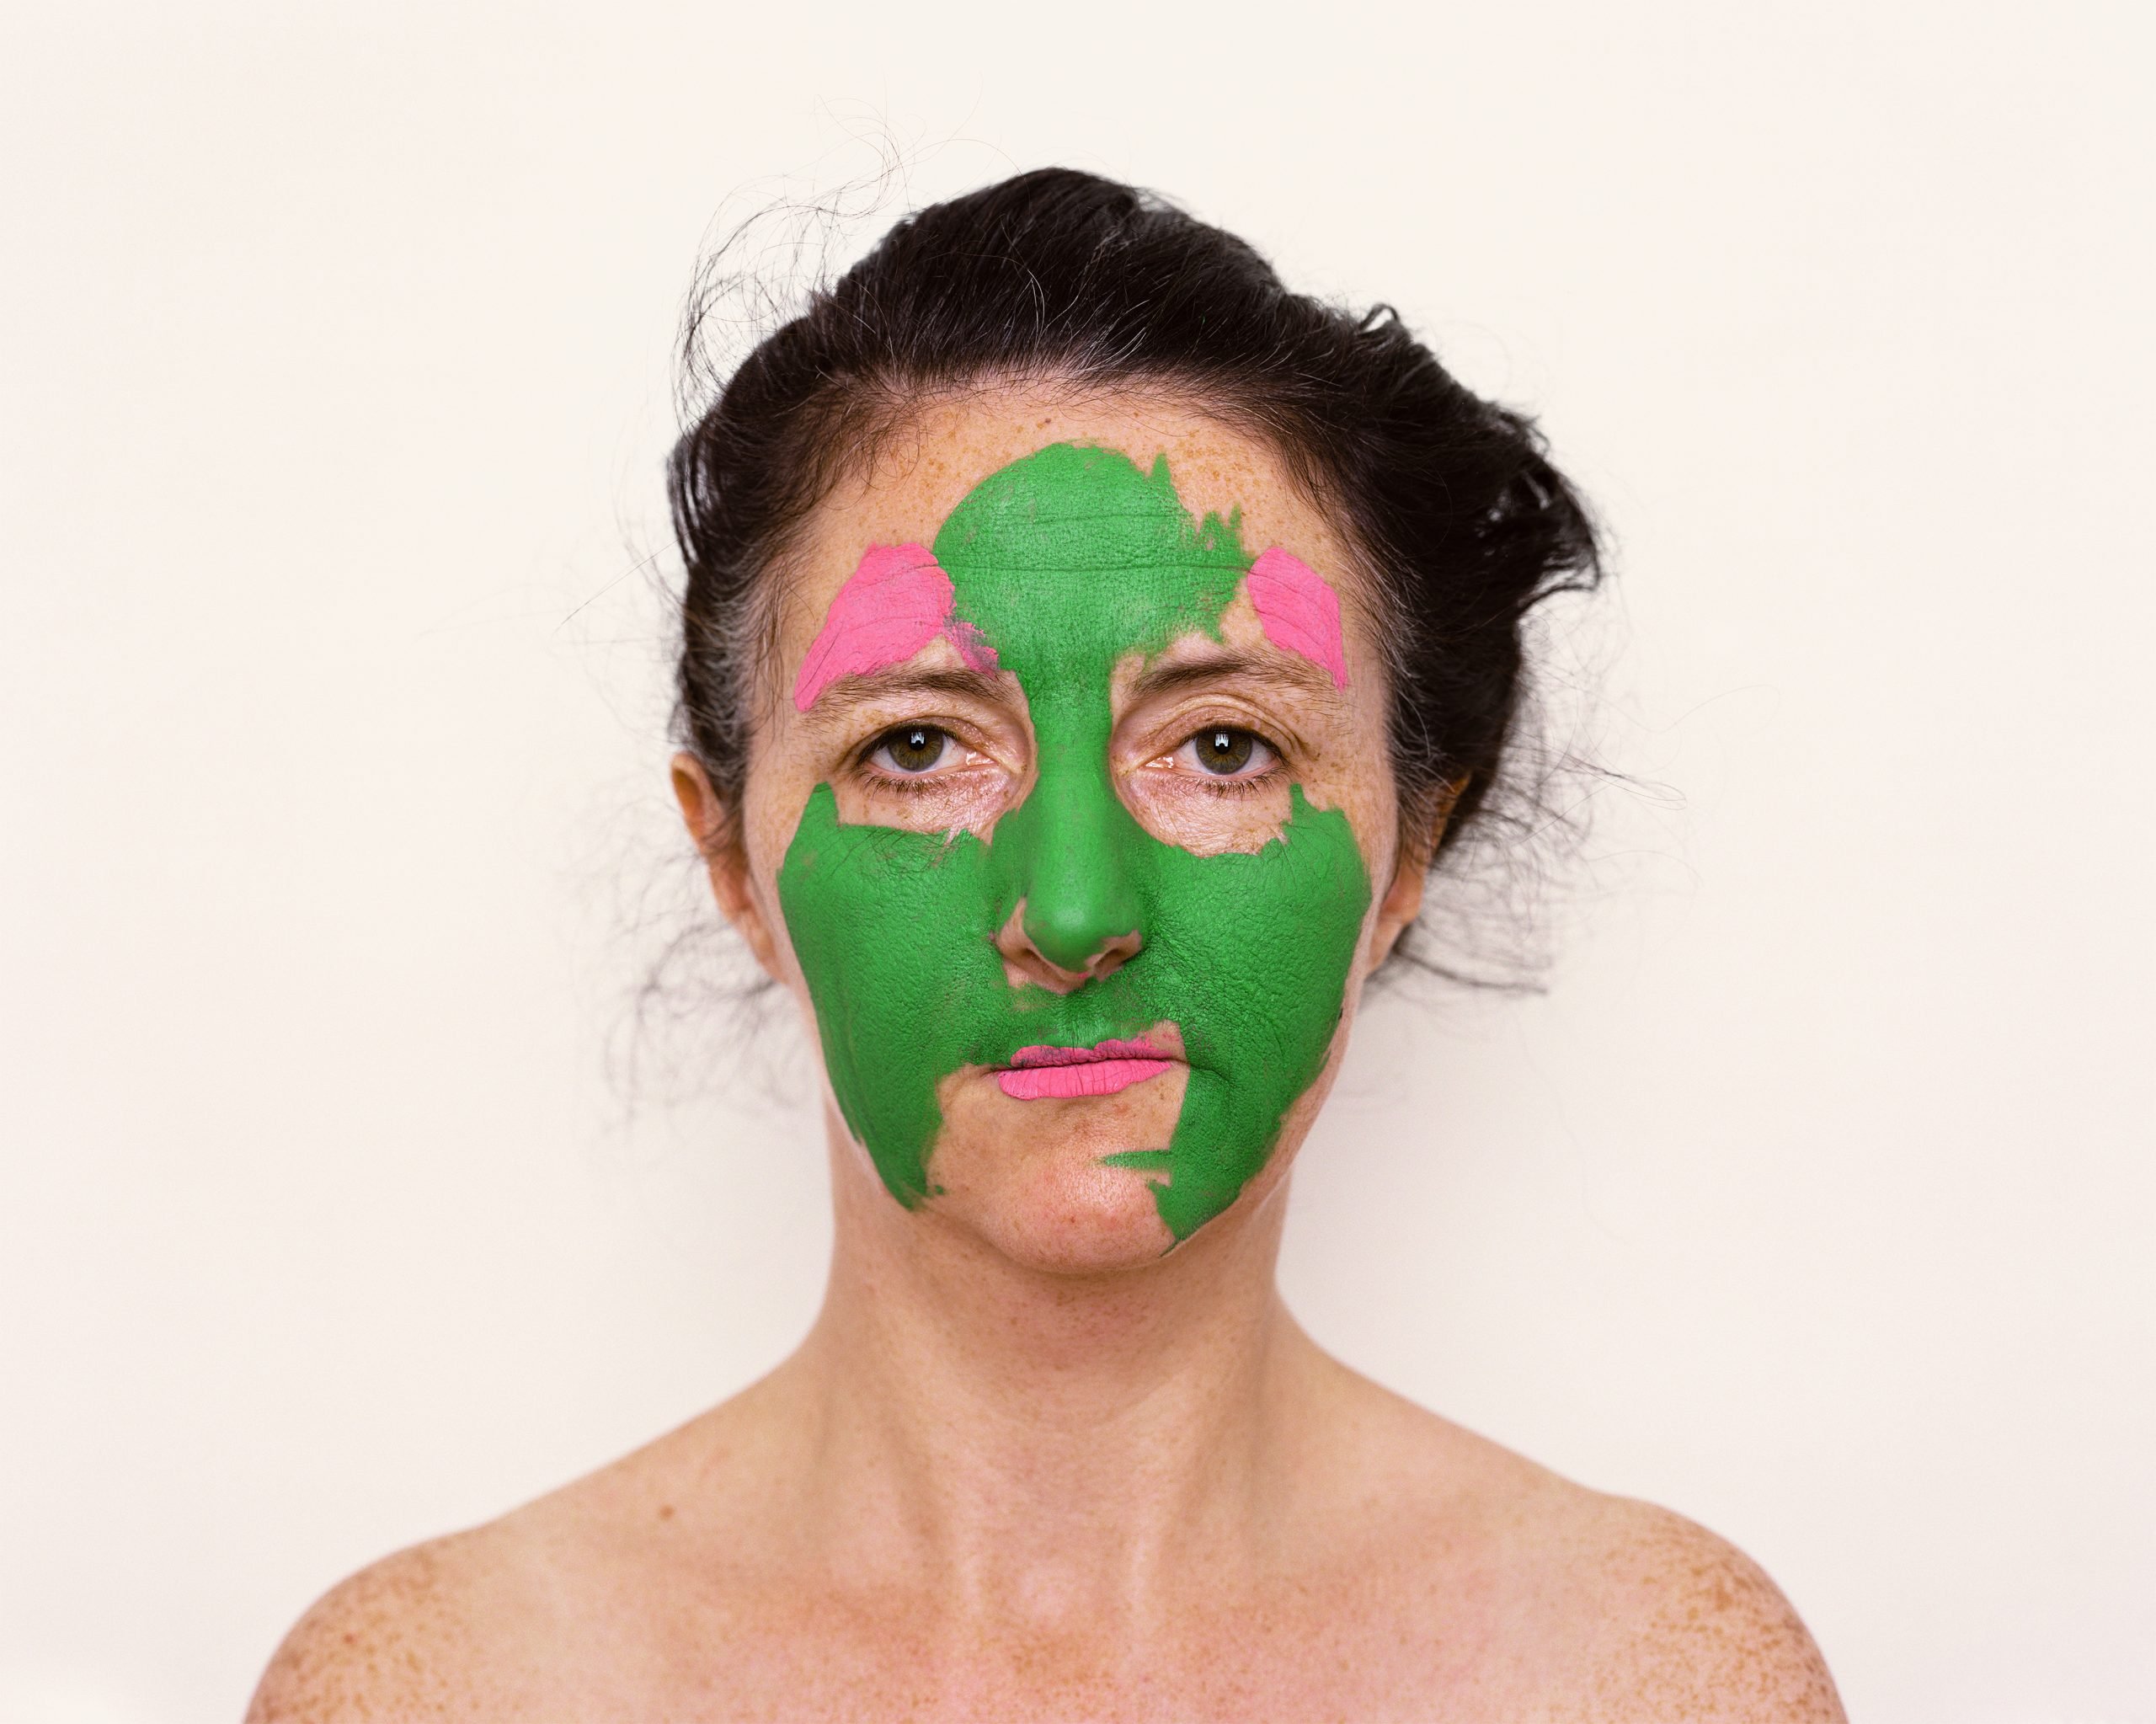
column 1043, row 1073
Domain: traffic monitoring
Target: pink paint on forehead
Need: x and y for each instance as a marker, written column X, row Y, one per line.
column 894, row 603
column 1298, row 613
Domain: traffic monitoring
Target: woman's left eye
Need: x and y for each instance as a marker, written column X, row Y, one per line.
column 1222, row 751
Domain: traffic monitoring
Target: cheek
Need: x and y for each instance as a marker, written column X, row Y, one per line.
column 1255, row 953
column 1273, row 934
column 891, row 932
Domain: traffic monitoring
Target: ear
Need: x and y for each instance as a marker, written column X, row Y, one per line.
column 715, row 827
column 1410, row 872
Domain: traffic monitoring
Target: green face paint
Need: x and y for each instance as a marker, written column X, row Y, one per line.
column 1065, row 562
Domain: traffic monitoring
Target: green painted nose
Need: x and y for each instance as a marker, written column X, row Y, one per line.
column 1074, row 849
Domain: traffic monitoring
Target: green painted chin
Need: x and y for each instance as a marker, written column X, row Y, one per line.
column 1066, row 562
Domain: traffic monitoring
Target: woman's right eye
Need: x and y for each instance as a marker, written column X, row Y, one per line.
column 909, row 749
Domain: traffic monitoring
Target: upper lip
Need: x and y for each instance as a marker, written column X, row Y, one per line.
column 1111, row 1049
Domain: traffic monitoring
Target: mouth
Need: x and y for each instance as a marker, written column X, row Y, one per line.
column 1042, row 1074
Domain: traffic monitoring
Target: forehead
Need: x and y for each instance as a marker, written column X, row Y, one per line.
column 929, row 467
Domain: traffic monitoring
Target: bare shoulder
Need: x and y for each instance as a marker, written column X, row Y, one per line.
column 419, row 1635
column 1605, row 1606
column 548, row 1611
column 1680, row 1623
column 494, row 1622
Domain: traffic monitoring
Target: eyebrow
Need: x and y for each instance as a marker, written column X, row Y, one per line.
column 899, row 681
column 883, row 684
column 1214, row 667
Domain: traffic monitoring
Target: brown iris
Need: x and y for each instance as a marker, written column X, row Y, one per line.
column 912, row 748
column 1224, row 750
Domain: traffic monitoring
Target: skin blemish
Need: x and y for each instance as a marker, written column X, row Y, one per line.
column 895, row 602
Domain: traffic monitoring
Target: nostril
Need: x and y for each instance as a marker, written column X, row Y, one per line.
column 1112, row 955
column 1077, row 945
column 1035, row 951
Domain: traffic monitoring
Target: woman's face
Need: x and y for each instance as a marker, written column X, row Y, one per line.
column 1069, row 819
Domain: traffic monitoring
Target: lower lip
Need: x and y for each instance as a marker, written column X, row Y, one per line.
column 1091, row 1077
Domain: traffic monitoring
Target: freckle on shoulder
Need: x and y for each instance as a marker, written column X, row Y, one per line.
column 1686, row 1624
column 1640, row 1614
column 416, row 1635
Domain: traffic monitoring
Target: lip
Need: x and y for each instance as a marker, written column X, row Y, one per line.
column 1040, row 1074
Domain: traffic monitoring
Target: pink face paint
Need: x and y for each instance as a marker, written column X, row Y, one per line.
column 1299, row 611
column 894, row 603
column 1040, row 1074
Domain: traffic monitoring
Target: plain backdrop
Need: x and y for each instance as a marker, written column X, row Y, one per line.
column 1815, row 1197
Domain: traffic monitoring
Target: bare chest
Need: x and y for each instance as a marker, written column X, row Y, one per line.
column 1324, row 1652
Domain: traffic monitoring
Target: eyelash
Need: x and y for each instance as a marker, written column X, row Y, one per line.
column 1238, row 786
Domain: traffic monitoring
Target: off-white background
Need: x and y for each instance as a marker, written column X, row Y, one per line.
column 1815, row 1199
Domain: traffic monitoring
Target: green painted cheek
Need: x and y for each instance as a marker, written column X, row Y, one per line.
column 895, row 937
column 1257, row 950
column 1066, row 561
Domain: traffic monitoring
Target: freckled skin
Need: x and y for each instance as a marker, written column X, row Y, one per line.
column 1030, row 1462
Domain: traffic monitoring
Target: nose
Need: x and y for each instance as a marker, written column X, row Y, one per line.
column 1024, row 960
column 1071, row 841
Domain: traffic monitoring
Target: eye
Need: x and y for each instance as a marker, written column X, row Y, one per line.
column 910, row 748
column 1225, row 752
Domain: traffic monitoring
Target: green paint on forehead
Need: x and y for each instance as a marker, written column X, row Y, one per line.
column 1075, row 550
column 1067, row 561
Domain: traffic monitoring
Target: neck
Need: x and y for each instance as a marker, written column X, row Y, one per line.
column 1047, row 1443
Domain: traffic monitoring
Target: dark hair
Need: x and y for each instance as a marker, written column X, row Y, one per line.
column 1461, row 522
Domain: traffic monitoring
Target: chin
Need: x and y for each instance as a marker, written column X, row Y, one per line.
column 1026, row 1177
column 1086, row 1220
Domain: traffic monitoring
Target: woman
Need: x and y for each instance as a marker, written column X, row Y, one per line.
column 1089, row 648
